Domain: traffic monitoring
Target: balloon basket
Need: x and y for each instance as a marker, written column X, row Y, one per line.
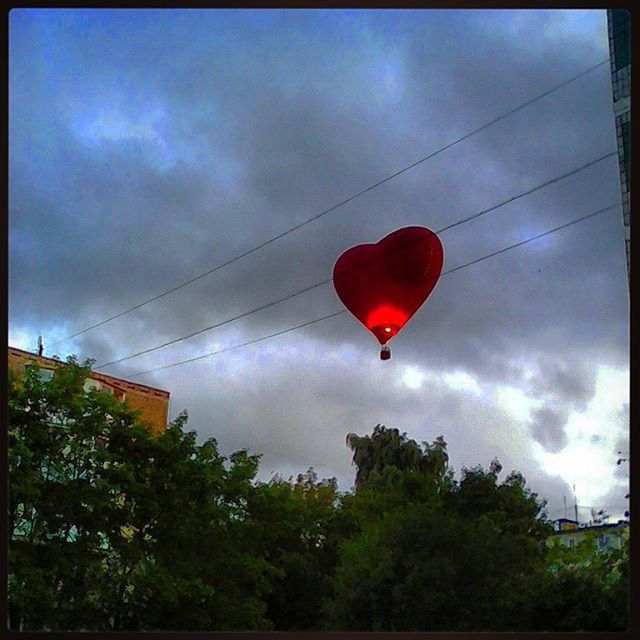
column 385, row 352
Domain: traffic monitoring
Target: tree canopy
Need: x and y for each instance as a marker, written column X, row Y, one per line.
column 113, row 528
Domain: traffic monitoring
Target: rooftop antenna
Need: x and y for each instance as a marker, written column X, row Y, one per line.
column 566, row 515
column 40, row 346
column 575, row 502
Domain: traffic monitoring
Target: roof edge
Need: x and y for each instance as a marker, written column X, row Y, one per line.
column 35, row 356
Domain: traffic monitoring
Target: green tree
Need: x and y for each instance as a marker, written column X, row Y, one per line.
column 196, row 568
column 578, row 589
column 430, row 553
column 295, row 527
column 61, row 507
column 387, row 448
column 114, row 528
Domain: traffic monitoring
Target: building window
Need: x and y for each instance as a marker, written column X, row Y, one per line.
column 91, row 384
column 45, row 375
column 603, row 542
column 621, row 37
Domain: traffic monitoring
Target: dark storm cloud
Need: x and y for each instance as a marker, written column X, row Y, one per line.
column 147, row 147
column 569, row 378
column 547, row 428
column 291, row 143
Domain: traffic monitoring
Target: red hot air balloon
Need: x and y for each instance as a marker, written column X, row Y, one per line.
column 385, row 283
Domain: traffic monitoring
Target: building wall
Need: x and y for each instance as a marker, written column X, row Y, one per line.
column 608, row 536
column 619, row 25
column 152, row 403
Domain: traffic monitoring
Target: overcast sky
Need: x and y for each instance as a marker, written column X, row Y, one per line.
column 149, row 146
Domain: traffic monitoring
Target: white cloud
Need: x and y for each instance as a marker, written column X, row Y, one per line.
column 112, row 124
column 515, row 402
column 589, row 462
column 25, row 337
column 413, row 377
column 462, row 381
column 22, row 338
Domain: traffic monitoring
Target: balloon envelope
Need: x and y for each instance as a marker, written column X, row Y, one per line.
column 385, row 283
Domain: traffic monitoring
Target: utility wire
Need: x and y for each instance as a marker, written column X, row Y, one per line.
column 332, row 315
column 530, row 191
column 340, row 204
column 324, row 282
column 541, row 235
column 244, row 344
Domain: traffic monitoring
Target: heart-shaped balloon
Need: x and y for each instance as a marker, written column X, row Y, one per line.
column 385, row 283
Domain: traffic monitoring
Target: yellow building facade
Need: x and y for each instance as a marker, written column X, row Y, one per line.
column 606, row 536
column 152, row 403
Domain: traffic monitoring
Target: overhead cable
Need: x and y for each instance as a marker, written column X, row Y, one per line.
column 337, row 313
column 328, row 280
column 340, row 204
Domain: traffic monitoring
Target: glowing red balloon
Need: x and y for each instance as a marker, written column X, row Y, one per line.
column 385, row 283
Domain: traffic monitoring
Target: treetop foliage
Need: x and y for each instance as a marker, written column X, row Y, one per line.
column 114, row 528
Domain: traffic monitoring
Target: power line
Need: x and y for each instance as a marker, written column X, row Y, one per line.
column 530, row 191
column 323, row 282
column 306, row 324
column 336, row 206
column 244, row 344
column 541, row 235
